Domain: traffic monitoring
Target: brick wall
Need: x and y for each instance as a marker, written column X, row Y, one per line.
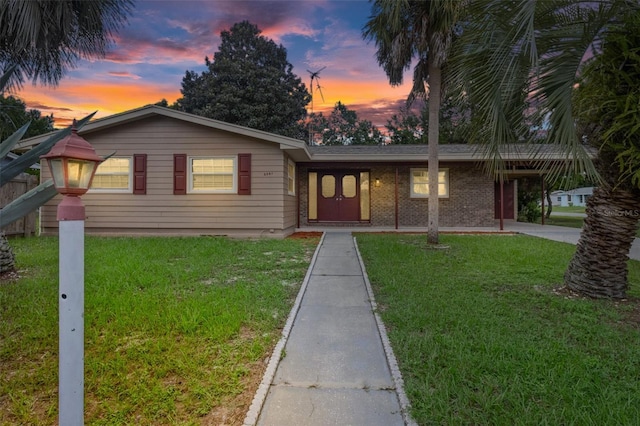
column 470, row 202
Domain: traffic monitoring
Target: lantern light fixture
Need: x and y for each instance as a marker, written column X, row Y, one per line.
column 72, row 162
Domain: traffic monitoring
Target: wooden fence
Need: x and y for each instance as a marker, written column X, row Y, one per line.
column 9, row 192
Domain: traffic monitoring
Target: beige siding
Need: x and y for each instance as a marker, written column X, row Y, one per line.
column 290, row 211
column 159, row 210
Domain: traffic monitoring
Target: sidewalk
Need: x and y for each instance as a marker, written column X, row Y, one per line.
column 333, row 368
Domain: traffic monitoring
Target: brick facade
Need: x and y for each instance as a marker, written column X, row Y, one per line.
column 470, row 202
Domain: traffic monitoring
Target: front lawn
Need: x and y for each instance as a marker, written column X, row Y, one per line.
column 484, row 336
column 568, row 209
column 177, row 330
column 570, row 221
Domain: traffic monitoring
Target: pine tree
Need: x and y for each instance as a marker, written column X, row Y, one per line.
column 249, row 82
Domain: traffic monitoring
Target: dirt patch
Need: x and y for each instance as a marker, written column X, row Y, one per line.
column 629, row 308
column 303, row 235
column 9, row 276
column 233, row 411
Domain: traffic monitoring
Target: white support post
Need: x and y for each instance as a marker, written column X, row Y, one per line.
column 71, row 300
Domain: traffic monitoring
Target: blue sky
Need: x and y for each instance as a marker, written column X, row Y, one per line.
column 164, row 38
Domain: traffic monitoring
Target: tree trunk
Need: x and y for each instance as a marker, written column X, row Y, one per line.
column 599, row 266
column 435, row 86
column 7, row 258
column 549, row 203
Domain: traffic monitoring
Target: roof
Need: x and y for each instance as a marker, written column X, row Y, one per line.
column 586, row 190
column 295, row 147
column 300, row 152
column 446, row 152
column 11, row 156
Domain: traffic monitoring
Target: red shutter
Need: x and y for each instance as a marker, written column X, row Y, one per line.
column 140, row 173
column 179, row 174
column 244, row 174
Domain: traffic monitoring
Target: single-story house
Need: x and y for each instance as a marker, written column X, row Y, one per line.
column 572, row 197
column 175, row 173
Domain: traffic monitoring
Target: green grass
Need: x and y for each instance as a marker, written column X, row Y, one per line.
column 568, row 209
column 177, row 330
column 572, row 222
column 481, row 338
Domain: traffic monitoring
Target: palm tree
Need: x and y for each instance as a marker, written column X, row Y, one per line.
column 608, row 112
column 408, row 30
column 43, row 38
column 539, row 49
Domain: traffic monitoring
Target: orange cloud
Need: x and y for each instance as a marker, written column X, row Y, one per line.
column 372, row 100
column 352, row 93
column 75, row 98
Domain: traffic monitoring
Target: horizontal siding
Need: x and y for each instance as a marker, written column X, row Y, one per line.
column 290, row 208
column 160, row 138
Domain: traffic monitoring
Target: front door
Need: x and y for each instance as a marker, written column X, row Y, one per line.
column 338, row 196
column 508, row 195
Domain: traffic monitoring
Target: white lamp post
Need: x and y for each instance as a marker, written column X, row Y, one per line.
column 72, row 162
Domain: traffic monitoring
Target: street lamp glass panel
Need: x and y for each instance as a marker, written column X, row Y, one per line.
column 80, row 173
column 57, row 171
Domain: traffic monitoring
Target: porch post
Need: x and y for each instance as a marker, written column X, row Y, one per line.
column 396, row 198
column 501, row 203
column 542, row 196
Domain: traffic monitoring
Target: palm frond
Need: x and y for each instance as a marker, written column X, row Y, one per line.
column 27, row 202
column 518, row 62
column 7, row 145
column 32, row 156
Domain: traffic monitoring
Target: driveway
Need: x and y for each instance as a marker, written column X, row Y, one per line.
column 563, row 234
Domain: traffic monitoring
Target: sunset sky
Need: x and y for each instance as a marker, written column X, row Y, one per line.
column 165, row 38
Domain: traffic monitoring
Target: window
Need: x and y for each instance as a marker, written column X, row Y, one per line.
column 292, row 177
column 212, row 174
column 420, row 183
column 559, row 199
column 113, row 175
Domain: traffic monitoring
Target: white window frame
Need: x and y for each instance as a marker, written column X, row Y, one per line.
column 233, row 190
column 418, row 195
column 128, row 189
column 291, row 178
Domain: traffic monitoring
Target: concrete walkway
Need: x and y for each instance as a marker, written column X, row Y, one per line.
column 336, row 365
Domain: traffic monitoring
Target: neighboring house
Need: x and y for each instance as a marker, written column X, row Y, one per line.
column 175, row 173
column 572, row 197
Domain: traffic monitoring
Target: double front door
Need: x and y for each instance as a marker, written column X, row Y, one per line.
column 338, row 196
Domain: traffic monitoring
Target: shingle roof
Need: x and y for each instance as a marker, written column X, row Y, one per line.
column 448, row 152
column 299, row 151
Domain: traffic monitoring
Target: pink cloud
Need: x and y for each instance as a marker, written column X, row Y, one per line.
column 124, row 74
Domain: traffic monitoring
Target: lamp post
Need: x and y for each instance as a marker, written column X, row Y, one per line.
column 72, row 162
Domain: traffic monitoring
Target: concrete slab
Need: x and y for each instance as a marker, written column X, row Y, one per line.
column 337, row 291
column 334, row 347
column 340, row 265
column 322, row 407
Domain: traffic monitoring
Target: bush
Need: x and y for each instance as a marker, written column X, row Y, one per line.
column 530, row 212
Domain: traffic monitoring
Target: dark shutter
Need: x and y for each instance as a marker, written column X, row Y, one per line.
column 244, row 174
column 179, row 174
column 140, row 173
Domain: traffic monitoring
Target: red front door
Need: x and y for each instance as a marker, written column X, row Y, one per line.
column 338, row 196
column 509, row 200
